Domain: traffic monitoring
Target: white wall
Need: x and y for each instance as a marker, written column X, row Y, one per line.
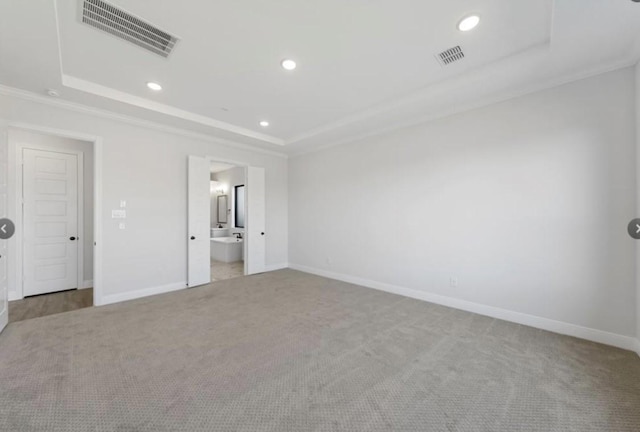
column 525, row 202
column 147, row 167
column 231, row 178
column 27, row 139
column 637, row 82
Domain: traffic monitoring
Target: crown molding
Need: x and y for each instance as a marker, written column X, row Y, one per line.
column 117, row 95
column 413, row 97
column 628, row 61
column 98, row 112
column 555, row 82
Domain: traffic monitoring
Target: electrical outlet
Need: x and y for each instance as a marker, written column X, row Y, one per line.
column 453, row 282
column 121, row 225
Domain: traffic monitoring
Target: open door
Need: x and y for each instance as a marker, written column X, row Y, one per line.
column 255, row 235
column 4, row 287
column 198, row 221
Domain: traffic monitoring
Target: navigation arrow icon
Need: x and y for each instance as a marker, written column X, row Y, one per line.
column 634, row 228
column 6, row 229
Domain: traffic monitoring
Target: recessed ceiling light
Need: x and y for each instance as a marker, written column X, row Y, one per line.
column 264, row 123
column 468, row 23
column 154, row 86
column 53, row 92
column 288, row 64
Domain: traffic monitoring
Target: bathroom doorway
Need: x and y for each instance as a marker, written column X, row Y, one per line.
column 234, row 240
column 228, row 216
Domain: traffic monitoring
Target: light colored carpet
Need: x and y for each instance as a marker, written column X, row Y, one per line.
column 287, row 351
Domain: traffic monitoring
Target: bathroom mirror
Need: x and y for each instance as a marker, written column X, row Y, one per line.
column 222, row 209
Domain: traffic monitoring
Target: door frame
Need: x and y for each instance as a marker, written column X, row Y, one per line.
column 238, row 164
column 19, row 220
column 15, row 265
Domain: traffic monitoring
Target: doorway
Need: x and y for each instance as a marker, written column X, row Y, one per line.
column 228, row 210
column 226, row 220
column 54, row 214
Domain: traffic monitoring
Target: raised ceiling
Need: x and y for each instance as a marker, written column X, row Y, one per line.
column 364, row 66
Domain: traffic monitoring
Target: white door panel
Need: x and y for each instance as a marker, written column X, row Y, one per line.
column 199, row 202
column 50, row 221
column 255, row 236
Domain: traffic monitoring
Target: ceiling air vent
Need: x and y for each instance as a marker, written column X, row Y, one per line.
column 110, row 19
column 451, row 55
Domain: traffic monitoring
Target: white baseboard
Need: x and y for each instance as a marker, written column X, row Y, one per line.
column 86, row 284
column 274, row 267
column 594, row 335
column 4, row 320
column 132, row 295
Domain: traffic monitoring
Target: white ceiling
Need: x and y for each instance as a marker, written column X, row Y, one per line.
column 365, row 66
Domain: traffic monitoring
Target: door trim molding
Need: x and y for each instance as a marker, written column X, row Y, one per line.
column 15, row 186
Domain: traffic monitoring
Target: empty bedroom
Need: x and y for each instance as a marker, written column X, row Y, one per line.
column 296, row 216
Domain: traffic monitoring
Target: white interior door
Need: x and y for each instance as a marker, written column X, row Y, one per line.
column 4, row 288
column 50, row 221
column 255, row 235
column 199, row 206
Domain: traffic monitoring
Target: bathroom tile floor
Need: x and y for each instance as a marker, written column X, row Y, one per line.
column 221, row 270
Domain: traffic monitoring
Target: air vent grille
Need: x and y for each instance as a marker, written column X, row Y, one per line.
column 110, row 19
column 451, row 55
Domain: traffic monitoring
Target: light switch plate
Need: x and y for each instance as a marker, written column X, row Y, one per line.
column 121, row 225
column 118, row 214
column 123, row 204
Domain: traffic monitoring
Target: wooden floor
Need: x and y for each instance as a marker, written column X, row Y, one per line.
column 49, row 304
column 222, row 271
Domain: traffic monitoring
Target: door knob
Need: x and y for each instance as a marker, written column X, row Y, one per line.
column 193, row 238
column 72, row 238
